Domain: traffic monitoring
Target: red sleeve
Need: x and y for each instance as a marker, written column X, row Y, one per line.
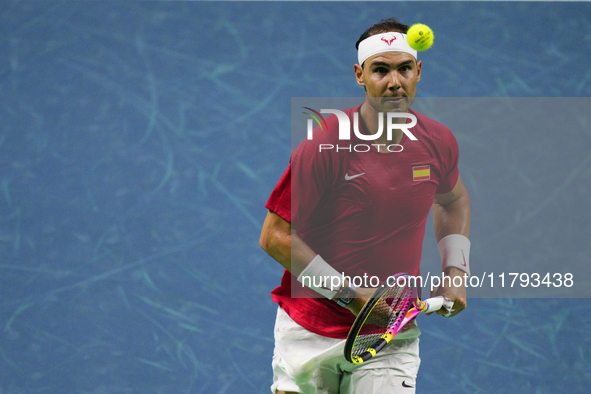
column 311, row 177
column 450, row 155
column 308, row 176
column 280, row 200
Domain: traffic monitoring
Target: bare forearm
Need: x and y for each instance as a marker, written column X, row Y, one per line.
column 283, row 244
column 292, row 253
column 453, row 218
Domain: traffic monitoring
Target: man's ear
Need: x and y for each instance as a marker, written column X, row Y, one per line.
column 419, row 67
column 359, row 74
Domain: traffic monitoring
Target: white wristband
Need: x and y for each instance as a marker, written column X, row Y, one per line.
column 455, row 252
column 321, row 277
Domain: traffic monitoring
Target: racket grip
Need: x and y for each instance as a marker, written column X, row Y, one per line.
column 436, row 303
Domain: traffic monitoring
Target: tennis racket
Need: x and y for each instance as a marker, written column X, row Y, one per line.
column 383, row 316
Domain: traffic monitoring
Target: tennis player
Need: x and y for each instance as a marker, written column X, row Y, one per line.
column 337, row 212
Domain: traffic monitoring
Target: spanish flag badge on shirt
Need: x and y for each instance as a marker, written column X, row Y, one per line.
column 421, row 173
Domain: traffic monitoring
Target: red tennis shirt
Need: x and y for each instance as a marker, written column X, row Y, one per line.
column 363, row 211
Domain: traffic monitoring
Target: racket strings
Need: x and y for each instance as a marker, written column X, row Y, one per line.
column 389, row 309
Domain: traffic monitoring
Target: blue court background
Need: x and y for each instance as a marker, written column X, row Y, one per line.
column 139, row 142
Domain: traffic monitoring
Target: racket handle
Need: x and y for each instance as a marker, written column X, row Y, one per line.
column 436, row 303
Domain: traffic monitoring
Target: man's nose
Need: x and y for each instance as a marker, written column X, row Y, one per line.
column 394, row 82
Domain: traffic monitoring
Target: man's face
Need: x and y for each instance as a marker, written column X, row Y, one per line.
column 390, row 80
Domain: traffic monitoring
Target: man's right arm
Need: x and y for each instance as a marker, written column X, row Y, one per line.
column 281, row 242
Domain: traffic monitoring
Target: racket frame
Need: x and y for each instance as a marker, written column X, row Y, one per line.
column 412, row 307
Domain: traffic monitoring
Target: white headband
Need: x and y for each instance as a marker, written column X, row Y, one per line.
column 385, row 42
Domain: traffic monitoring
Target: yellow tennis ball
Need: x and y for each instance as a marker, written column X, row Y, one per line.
column 420, row 37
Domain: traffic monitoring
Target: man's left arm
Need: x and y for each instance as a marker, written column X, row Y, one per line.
column 451, row 220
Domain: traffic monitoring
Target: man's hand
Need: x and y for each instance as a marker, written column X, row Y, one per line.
column 456, row 294
column 361, row 298
column 382, row 313
column 451, row 215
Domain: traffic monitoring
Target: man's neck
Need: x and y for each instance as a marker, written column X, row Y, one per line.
column 370, row 123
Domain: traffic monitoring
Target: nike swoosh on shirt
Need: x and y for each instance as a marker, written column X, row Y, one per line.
column 348, row 178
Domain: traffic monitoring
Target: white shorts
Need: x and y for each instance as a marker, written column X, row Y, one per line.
column 308, row 363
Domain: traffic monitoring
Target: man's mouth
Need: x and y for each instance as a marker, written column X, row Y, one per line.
column 393, row 99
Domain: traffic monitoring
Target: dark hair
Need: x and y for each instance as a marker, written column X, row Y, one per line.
column 384, row 26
